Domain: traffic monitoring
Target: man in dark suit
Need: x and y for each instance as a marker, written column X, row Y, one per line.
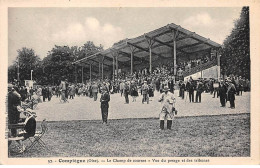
column 14, row 100
column 44, row 93
column 182, row 89
column 231, row 91
column 199, row 91
column 190, row 88
column 222, row 93
column 105, row 98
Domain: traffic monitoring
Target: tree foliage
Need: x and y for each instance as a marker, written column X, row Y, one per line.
column 236, row 48
column 26, row 60
column 56, row 66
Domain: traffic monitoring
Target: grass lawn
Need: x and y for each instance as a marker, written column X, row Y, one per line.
column 201, row 136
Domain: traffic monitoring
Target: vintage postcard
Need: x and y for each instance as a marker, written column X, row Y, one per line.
column 127, row 83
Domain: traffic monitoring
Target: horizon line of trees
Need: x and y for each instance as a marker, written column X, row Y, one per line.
column 53, row 68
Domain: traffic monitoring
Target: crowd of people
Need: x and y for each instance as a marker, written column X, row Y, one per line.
column 141, row 83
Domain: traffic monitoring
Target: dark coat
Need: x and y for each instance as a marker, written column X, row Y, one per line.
column 200, row 87
column 14, row 99
column 105, row 98
column 222, row 91
column 231, row 92
column 190, row 86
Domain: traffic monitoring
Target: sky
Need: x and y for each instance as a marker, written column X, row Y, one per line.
column 42, row 28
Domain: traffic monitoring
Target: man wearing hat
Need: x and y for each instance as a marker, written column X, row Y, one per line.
column 190, row 88
column 145, row 89
column 231, row 91
column 199, row 91
column 167, row 99
column 14, row 100
column 95, row 90
column 104, row 99
column 222, row 93
column 122, row 87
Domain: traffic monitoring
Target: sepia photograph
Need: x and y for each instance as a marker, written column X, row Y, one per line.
column 128, row 84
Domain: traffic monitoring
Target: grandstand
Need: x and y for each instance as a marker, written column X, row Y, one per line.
column 171, row 45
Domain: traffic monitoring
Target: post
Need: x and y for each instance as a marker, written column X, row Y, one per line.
column 31, row 74
column 82, row 78
column 113, row 68
column 218, row 65
column 99, row 70
column 174, row 53
column 18, row 72
column 150, row 51
column 116, row 65
column 132, row 49
column 102, row 67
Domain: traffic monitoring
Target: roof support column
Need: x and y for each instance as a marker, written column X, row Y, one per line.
column 115, row 54
column 132, row 49
column 117, row 66
column 150, row 60
column 113, row 68
column 99, row 67
column 90, row 71
column 150, row 42
column 174, row 57
column 132, row 66
column 101, row 61
column 218, row 65
column 102, row 69
column 174, row 35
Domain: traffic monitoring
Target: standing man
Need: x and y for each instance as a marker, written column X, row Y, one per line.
column 49, row 93
column 126, row 92
column 14, row 100
column 231, row 91
column 63, row 87
column 31, row 93
column 180, row 83
column 145, row 89
column 190, row 89
column 167, row 99
column 182, row 89
column 44, row 93
column 122, row 87
column 199, row 91
column 105, row 98
column 222, row 93
column 95, row 90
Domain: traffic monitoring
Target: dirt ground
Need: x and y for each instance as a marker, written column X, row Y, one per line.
column 199, row 130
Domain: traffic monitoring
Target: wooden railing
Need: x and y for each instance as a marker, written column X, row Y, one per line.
column 199, row 68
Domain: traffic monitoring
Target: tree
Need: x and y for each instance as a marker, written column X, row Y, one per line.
column 58, row 65
column 236, row 48
column 26, row 61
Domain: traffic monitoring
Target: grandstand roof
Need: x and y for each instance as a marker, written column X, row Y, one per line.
column 187, row 43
